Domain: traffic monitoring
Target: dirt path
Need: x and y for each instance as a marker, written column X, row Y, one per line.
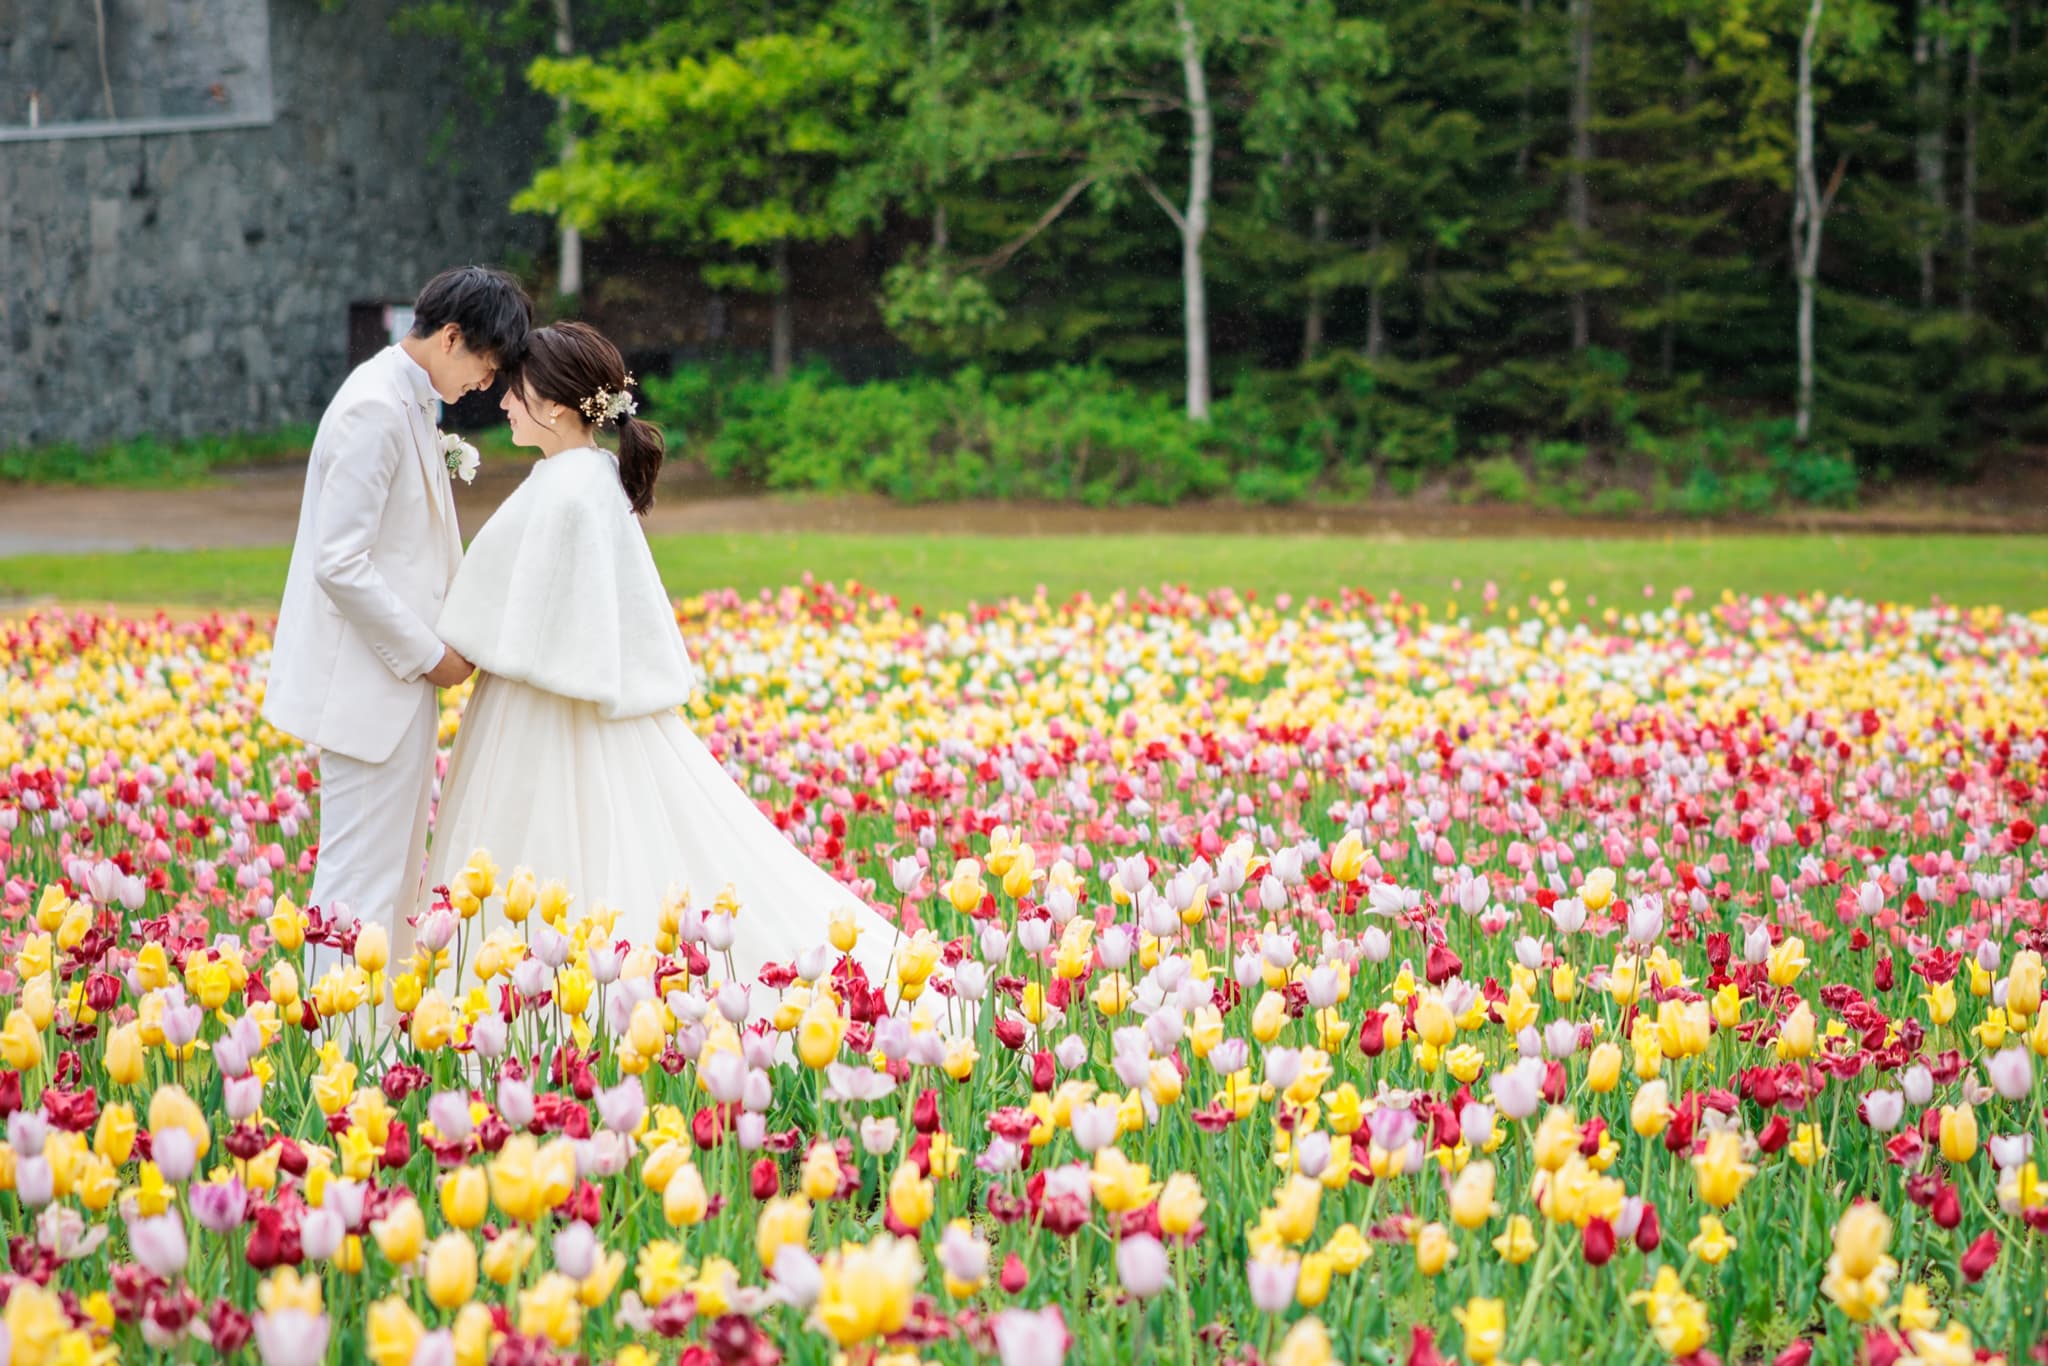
column 260, row 507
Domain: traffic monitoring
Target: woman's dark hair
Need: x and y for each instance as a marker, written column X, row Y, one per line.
column 487, row 306
column 572, row 364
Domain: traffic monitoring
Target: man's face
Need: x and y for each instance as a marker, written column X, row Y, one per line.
column 457, row 370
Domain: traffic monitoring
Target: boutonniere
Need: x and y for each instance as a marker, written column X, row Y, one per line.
column 460, row 457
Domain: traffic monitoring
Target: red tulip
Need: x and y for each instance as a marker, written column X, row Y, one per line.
column 1010, row 1033
column 1043, row 1074
column 1948, row 1210
column 1979, row 1256
column 766, row 1179
column 1775, row 1135
column 1422, row 1349
column 1372, row 1036
column 1797, row 1354
column 1441, row 965
column 924, row 1114
column 1014, row 1277
column 1881, row 1348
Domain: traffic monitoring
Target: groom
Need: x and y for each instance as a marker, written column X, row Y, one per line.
column 355, row 661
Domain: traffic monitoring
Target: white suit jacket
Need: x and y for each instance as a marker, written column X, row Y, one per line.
column 376, row 549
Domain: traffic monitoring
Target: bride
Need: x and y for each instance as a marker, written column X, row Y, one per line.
column 571, row 759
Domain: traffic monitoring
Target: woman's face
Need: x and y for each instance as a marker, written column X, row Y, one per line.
column 527, row 413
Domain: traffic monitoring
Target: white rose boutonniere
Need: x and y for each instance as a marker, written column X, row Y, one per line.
column 461, row 457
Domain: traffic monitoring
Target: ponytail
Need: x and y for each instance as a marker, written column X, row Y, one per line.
column 641, row 448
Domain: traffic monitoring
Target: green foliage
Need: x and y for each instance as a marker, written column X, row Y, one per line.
column 1500, row 479
column 150, row 463
column 1068, row 435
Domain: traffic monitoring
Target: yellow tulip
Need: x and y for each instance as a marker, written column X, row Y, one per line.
column 1516, row 1244
column 393, row 1332
column 1958, row 1132
column 551, row 1309
column 1796, row 1033
column 113, row 1137
column 465, row 1197
column 684, row 1201
column 1486, row 1328
column 785, row 1222
column 21, row 1044
column 1720, row 1170
column 1181, row 1203
column 400, row 1233
column 2023, row 984
column 864, row 1291
column 1711, row 1244
column 1472, row 1202
column 1434, row 1249
column 910, row 1196
column 451, row 1270
column 1603, row 1068
column 506, row 1258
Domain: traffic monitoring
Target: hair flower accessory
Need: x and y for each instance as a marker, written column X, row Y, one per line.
column 460, row 457
column 607, row 406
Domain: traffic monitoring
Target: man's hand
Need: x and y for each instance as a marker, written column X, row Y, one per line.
column 452, row 669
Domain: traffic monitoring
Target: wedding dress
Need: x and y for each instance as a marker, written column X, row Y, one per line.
column 572, row 759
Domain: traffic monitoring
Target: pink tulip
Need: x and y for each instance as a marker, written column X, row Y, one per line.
column 159, row 1244
column 1031, row 1337
column 1141, row 1265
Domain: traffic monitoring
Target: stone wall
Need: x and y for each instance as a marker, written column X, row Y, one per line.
column 195, row 282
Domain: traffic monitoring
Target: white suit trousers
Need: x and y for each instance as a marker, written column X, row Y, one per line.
column 373, row 834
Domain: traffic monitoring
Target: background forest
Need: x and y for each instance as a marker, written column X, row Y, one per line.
column 1609, row 255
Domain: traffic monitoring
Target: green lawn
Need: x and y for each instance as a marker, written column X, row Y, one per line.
column 949, row 571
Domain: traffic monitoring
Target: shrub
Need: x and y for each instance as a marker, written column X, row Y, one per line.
column 1500, row 479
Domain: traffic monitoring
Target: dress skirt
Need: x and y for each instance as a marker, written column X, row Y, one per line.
column 624, row 812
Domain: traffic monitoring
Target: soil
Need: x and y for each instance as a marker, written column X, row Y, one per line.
column 260, row 506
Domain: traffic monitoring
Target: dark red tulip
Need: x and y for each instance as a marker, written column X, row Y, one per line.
column 1649, row 1230
column 766, row 1179
column 1948, row 1207
column 1597, row 1242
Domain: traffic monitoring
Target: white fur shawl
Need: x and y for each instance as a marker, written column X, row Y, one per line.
column 559, row 591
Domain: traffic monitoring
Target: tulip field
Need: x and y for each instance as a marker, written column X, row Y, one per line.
column 1284, row 981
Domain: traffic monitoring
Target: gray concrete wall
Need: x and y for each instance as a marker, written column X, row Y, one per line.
column 183, row 283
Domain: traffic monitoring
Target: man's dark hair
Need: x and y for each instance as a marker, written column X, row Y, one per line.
column 487, row 305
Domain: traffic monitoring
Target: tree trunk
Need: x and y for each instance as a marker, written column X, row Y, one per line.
column 1528, row 92
column 934, row 171
column 1375, row 304
column 1667, row 341
column 1194, row 224
column 1972, row 71
column 781, row 339
column 569, row 248
column 1808, row 216
column 1931, row 148
column 1312, row 325
column 1582, row 153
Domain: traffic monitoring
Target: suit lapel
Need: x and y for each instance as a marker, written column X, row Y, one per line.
column 439, row 488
